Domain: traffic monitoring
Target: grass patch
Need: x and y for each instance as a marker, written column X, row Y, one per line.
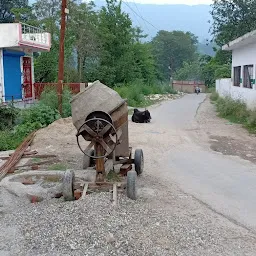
column 113, row 177
column 135, row 93
column 9, row 140
column 210, row 89
column 235, row 111
column 35, row 160
column 214, row 96
column 57, row 167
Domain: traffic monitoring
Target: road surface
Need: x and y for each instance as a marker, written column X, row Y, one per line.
column 225, row 184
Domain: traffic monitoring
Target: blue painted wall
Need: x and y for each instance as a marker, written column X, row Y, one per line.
column 12, row 74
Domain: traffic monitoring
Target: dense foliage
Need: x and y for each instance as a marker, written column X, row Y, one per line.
column 17, row 124
column 235, row 111
column 171, row 49
column 102, row 44
column 232, row 19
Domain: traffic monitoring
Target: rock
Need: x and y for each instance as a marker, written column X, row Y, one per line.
column 110, row 238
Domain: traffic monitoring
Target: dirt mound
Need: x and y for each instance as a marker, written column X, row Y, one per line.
column 58, row 138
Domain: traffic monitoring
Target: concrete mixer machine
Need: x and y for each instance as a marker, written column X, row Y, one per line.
column 100, row 116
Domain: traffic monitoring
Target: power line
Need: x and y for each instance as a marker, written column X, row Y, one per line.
column 140, row 16
column 137, row 20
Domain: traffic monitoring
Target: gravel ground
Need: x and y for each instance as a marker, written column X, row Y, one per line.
column 175, row 225
column 164, row 221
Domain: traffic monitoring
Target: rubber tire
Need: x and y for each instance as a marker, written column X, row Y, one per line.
column 139, row 161
column 87, row 161
column 131, row 188
column 68, row 185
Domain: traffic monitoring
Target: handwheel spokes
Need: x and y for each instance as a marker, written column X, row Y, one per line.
column 106, row 147
column 104, row 130
column 89, row 130
column 89, row 147
column 97, row 137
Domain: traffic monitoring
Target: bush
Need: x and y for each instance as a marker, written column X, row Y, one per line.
column 49, row 98
column 237, row 112
column 135, row 93
column 251, row 121
column 8, row 115
column 214, row 96
column 233, row 109
column 40, row 113
column 9, row 140
column 28, row 120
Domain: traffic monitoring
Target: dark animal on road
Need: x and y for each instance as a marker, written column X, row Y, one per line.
column 141, row 116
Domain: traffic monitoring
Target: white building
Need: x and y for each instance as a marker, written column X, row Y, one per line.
column 241, row 85
column 17, row 44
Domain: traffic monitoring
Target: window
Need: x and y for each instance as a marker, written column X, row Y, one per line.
column 237, row 74
column 248, row 76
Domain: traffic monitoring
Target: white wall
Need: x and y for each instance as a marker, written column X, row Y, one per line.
column 225, row 88
column 9, row 35
column 244, row 56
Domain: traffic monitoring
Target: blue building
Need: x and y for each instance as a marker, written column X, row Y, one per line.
column 17, row 44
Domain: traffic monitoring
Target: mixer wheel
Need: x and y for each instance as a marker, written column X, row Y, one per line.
column 131, row 188
column 68, row 185
column 139, row 161
column 88, row 161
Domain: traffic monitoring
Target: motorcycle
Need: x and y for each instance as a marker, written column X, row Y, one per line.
column 197, row 90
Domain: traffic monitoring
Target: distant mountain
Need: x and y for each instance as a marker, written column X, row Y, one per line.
column 206, row 48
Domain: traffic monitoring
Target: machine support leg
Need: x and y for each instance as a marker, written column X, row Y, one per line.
column 100, row 164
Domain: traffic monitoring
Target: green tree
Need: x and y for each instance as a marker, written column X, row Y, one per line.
column 172, row 49
column 47, row 13
column 232, row 19
column 82, row 35
column 115, row 34
column 6, row 6
column 189, row 71
column 214, row 68
column 25, row 15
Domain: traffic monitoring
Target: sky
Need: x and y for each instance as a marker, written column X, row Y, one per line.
column 188, row 2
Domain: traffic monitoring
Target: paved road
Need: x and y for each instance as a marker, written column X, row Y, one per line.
column 225, row 184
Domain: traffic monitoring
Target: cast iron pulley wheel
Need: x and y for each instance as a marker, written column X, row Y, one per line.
column 131, row 188
column 100, row 130
column 139, row 161
column 88, row 161
column 68, row 185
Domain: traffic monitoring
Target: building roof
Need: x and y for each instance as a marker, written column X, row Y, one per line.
column 242, row 41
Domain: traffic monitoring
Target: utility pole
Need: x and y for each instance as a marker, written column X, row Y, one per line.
column 64, row 11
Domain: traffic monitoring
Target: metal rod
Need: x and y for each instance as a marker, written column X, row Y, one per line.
column 115, row 194
column 61, row 54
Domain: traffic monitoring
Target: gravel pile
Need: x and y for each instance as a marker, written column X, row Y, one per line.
column 144, row 227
